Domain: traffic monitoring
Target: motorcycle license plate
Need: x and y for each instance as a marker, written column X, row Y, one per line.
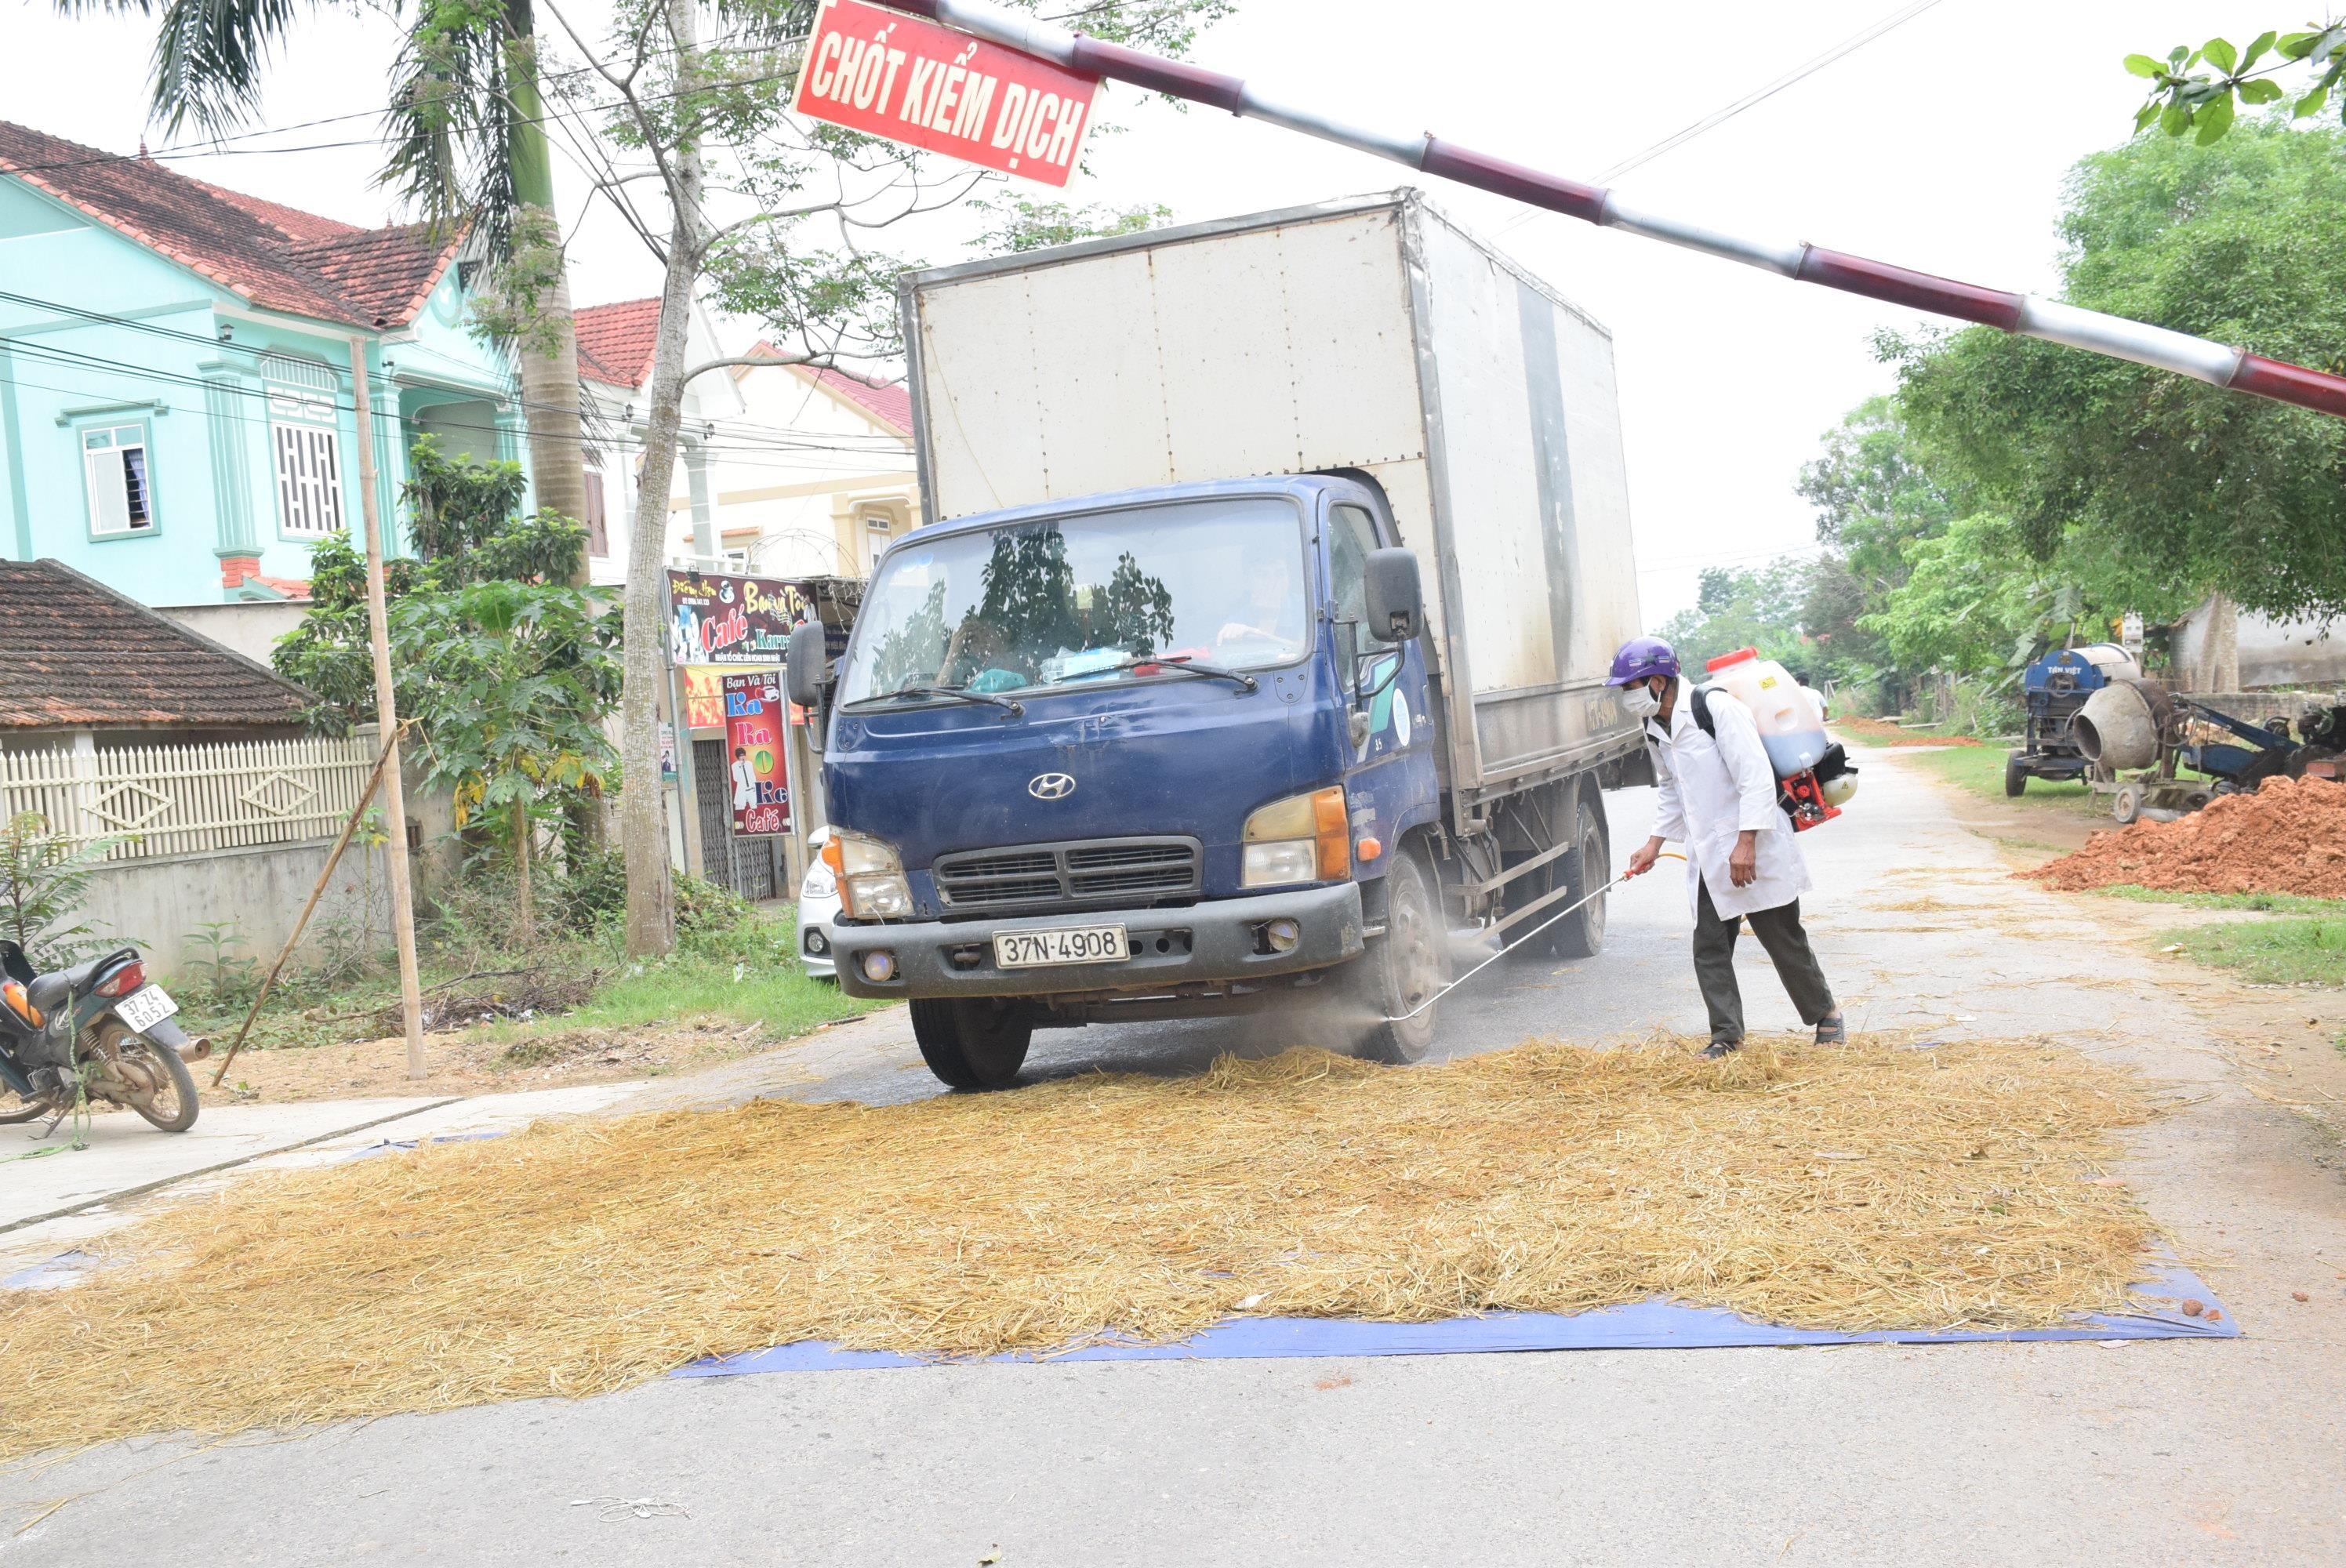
column 145, row 1007
column 1061, row 944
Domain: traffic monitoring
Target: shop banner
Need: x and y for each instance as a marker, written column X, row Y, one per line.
column 719, row 619
column 704, row 696
column 754, row 720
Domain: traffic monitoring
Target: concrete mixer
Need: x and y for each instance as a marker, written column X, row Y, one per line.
column 2139, row 739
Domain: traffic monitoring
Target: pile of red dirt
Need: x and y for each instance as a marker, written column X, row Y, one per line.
column 2289, row 837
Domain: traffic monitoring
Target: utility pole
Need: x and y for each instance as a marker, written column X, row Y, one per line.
column 394, row 791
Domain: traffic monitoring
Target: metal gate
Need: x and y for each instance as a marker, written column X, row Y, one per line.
column 747, row 866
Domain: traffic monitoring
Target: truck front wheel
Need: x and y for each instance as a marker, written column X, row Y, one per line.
column 1402, row 969
column 971, row 1043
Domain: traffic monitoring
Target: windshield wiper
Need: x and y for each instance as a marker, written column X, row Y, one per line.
column 1184, row 664
column 982, row 698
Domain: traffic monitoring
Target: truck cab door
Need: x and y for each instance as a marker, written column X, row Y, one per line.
column 1390, row 781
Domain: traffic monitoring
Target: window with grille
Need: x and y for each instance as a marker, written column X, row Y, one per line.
column 121, row 497
column 304, row 435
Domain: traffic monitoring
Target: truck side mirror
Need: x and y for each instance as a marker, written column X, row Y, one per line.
column 806, row 664
column 1396, row 601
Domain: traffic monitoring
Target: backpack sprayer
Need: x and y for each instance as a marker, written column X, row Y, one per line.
column 1814, row 777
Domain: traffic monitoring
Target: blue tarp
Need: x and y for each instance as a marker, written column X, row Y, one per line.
column 1647, row 1325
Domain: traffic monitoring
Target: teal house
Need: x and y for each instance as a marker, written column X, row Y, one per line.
column 177, row 415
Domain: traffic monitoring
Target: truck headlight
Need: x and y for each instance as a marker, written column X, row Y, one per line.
column 869, row 875
column 1302, row 839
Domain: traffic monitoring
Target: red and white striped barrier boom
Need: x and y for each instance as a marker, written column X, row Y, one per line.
column 2219, row 364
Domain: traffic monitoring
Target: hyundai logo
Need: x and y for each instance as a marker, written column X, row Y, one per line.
column 1051, row 786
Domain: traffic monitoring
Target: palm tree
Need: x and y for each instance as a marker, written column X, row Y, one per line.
column 468, row 146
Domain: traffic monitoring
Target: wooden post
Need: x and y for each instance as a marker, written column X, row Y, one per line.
column 301, row 922
column 394, row 792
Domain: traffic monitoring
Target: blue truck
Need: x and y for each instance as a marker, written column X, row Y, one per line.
column 1252, row 646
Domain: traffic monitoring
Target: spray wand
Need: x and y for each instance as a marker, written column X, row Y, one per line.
column 1569, row 908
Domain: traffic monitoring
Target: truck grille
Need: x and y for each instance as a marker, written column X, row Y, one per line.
column 1084, row 872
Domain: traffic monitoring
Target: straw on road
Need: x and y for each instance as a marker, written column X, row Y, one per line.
column 1859, row 1189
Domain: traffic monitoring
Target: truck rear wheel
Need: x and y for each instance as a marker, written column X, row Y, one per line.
column 1587, row 865
column 1587, row 869
column 1402, row 969
column 971, row 1043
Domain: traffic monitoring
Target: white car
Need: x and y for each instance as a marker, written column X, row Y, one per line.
column 818, row 901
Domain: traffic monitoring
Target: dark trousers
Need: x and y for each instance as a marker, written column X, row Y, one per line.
column 1780, row 932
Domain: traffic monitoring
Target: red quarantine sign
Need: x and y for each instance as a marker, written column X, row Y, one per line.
column 888, row 75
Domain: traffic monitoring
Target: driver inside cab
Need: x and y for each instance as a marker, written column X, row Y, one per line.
column 1273, row 612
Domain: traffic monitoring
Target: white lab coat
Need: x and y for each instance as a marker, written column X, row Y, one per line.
column 1711, row 789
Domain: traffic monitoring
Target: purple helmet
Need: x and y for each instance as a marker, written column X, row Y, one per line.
column 1640, row 657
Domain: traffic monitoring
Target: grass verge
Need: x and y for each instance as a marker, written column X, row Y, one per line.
column 2262, row 903
column 687, row 988
column 1979, row 771
column 734, row 965
column 2271, row 952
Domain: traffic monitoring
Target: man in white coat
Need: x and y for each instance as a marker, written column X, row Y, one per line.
column 1719, row 799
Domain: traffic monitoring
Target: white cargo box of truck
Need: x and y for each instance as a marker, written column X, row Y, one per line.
column 1372, row 335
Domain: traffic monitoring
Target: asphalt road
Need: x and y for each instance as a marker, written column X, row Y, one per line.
column 2199, row 1451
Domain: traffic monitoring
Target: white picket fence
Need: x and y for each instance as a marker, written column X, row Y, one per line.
column 159, row 801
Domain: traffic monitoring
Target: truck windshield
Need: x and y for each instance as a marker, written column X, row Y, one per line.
column 1086, row 599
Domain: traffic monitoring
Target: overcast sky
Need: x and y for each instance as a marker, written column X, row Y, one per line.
column 1942, row 145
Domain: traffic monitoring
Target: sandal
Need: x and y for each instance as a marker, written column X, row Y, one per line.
column 1718, row 1048
column 1833, row 1030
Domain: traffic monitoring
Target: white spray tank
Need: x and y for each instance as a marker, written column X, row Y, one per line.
column 1813, row 777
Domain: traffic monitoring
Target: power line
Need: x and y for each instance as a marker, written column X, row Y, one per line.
column 740, row 450
column 216, row 146
column 1847, row 46
column 1717, row 117
column 880, row 445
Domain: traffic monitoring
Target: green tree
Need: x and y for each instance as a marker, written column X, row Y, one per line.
column 508, row 670
column 1972, row 602
column 2185, row 98
column 1757, row 608
column 466, row 124
column 1873, row 493
column 2176, row 486
column 468, row 531
column 1016, row 224
column 43, row 881
column 519, row 676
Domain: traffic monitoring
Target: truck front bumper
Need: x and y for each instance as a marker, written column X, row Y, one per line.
column 1218, row 941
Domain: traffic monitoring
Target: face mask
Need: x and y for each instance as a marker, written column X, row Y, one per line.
column 1640, row 701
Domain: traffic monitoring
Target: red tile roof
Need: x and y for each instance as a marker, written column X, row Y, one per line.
column 275, row 256
column 75, row 654
column 295, row 223
column 614, row 342
column 890, row 405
